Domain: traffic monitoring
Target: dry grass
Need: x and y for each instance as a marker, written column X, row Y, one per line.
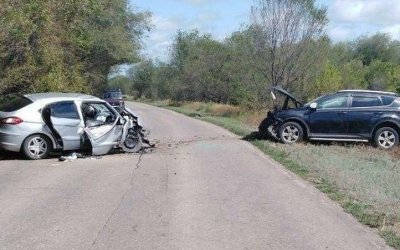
column 215, row 109
column 368, row 174
column 223, row 110
column 253, row 119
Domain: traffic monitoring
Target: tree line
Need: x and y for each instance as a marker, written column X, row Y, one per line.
column 70, row 45
column 284, row 45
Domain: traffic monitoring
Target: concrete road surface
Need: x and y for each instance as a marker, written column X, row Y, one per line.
column 201, row 188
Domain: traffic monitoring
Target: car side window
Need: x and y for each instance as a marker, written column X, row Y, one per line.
column 366, row 101
column 66, row 110
column 332, row 102
column 387, row 100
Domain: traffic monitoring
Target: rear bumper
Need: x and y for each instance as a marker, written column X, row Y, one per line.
column 11, row 142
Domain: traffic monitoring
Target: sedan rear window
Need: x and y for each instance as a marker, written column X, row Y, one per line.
column 13, row 103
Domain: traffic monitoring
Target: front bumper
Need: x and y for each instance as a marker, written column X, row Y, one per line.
column 269, row 127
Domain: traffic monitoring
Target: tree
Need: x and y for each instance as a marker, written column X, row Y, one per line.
column 369, row 48
column 286, row 34
column 121, row 82
column 51, row 45
column 141, row 76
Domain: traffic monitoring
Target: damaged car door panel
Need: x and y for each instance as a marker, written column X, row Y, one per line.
column 65, row 124
column 347, row 115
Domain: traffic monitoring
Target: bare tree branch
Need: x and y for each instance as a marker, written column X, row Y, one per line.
column 284, row 32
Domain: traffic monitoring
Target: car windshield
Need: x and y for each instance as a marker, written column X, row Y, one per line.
column 13, row 103
column 314, row 100
column 116, row 95
column 113, row 95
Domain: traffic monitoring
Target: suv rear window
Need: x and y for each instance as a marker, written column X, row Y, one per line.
column 387, row 100
column 366, row 101
column 10, row 104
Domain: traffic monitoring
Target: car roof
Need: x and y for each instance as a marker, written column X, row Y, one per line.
column 61, row 97
column 358, row 91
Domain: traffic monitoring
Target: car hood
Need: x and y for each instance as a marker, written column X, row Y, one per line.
column 283, row 92
column 287, row 97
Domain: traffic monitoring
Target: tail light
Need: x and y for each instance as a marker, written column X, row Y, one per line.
column 11, row 120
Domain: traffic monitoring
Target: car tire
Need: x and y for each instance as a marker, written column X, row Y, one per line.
column 36, row 147
column 386, row 138
column 133, row 142
column 290, row 133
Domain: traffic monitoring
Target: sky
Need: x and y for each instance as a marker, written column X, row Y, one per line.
column 348, row 19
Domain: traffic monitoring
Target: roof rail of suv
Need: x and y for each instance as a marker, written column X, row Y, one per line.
column 367, row 92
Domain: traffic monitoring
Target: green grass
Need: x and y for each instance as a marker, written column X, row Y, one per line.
column 362, row 179
column 391, row 238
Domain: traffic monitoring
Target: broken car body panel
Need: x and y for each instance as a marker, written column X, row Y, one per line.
column 282, row 101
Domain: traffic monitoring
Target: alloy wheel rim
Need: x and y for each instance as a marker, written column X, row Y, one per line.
column 290, row 134
column 37, row 147
column 387, row 139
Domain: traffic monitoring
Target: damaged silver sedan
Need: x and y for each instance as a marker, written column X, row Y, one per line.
column 38, row 124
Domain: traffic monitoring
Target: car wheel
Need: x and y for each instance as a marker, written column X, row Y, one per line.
column 133, row 142
column 386, row 138
column 36, row 147
column 291, row 132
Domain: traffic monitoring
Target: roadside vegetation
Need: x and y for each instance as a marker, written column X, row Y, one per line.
column 237, row 70
column 361, row 178
column 66, row 46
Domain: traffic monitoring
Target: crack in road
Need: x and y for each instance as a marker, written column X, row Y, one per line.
column 170, row 145
column 137, row 166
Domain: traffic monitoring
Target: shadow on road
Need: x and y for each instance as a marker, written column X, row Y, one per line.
column 5, row 155
column 11, row 156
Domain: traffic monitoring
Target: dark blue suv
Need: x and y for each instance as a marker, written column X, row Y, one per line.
column 347, row 115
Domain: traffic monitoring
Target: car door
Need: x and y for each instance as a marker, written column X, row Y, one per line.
column 364, row 113
column 66, row 124
column 328, row 119
column 103, row 126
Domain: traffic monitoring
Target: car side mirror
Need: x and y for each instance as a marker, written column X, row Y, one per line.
column 314, row 105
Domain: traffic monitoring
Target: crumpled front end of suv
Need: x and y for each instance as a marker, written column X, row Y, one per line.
column 283, row 102
column 270, row 125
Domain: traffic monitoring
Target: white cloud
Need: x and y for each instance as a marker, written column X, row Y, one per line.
column 161, row 37
column 384, row 12
column 352, row 18
column 338, row 33
column 159, row 41
column 393, row 30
